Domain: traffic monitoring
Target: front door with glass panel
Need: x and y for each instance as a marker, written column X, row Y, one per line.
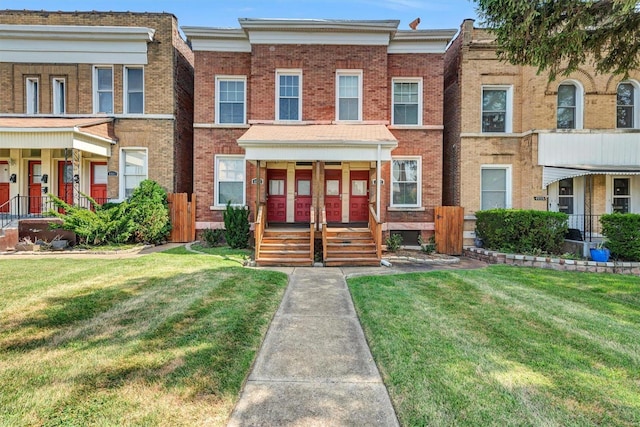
column 303, row 197
column 35, row 186
column 332, row 194
column 276, row 195
column 4, row 186
column 99, row 182
column 359, row 197
column 621, row 195
column 566, row 196
column 65, row 182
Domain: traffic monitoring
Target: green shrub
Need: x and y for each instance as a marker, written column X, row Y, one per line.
column 429, row 247
column 393, row 242
column 623, row 235
column 522, row 231
column 236, row 224
column 212, row 237
column 149, row 209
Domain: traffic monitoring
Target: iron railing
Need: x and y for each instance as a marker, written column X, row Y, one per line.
column 20, row 207
column 589, row 226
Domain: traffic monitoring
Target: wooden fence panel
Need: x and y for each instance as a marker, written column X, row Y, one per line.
column 183, row 217
column 449, row 224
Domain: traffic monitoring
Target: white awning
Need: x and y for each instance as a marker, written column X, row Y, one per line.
column 318, row 142
column 553, row 174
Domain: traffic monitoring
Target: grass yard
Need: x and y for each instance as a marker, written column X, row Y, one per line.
column 164, row 339
column 506, row 346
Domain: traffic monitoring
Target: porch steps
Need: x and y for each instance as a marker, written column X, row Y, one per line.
column 285, row 248
column 350, row 247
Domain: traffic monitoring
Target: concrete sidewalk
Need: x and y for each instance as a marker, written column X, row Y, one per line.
column 315, row 367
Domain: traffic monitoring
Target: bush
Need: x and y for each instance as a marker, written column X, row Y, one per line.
column 623, row 235
column 149, row 209
column 393, row 242
column 522, row 231
column 212, row 237
column 236, row 224
column 429, row 247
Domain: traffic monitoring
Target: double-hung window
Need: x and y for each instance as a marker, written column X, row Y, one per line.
column 103, row 90
column 231, row 99
column 59, row 96
column 406, row 179
column 32, row 95
column 497, row 108
column 349, row 95
column 569, row 113
column 289, row 95
column 626, row 110
column 134, row 90
column 230, row 180
column 495, row 184
column 134, row 169
column 407, row 102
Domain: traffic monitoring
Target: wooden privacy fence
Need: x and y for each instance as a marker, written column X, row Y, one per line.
column 183, row 217
column 449, row 223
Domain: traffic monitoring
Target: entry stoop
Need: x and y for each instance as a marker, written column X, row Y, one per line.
column 350, row 247
column 285, row 248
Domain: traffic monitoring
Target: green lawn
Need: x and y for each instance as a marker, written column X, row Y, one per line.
column 164, row 339
column 506, row 346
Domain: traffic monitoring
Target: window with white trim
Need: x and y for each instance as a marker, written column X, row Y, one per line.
column 407, row 101
column 497, row 109
column 59, row 97
column 405, row 181
column 133, row 90
column 621, row 195
column 495, row 187
column 230, row 180
column 289, row 95
column 569, row 109
column 626, row 111
column 231, row 99
column 134, row 169
column 103, row 90
column 349, row 95
column 32, row 95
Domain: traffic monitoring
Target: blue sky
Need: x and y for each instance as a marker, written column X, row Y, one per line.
column 434, row 14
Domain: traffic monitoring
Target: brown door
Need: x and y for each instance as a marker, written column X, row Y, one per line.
column 359, row 197
column 4, row 186
column 35, row 186
column 332, row 194
column 99, row 182
column 276, row 195
column 303, row 197
column 449, row 229
column 65, row 182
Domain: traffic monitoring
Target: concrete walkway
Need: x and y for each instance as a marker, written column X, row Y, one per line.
column 315, row 367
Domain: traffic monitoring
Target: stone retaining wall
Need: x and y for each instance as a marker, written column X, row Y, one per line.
column 560, row 264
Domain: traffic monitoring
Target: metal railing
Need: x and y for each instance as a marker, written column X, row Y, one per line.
column 20, row 207
column 589, row 226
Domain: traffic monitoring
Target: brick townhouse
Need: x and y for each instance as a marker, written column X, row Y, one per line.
column 93, row 103
column 514, row 139
column 322, row 124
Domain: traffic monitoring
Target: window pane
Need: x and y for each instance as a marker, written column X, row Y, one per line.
column 405, row 193
column 405, row 170
column 289, row 86
column 105, row 102
column 625, row 105
column 566, row 96
column 135, row 81
column 621, row 187
column 99, row 174
column 566, row 118
column 105, row 78
column 231, row 101
column 405, row 114
column 230, row 192
column 276, row 187
column 625, row 117
column 494, row 110
column 359, row 187
column 135, row 103
column 288, row 108
column 566, row 187
column 4, row 173
column 494, row 188
column 348, row 87
column 348, row 109
column 405, row 182
column 231, row 113
column 333, row 187
column 134, row 162
column 231, row 169
column 304, row 187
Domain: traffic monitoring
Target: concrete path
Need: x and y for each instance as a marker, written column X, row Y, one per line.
column 314, row 367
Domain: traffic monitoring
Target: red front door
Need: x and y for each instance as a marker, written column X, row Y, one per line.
column 99, row 182
column 35, row 187
column 65, row 182
column 303, row 196
column 359, row 197
column 276, row 195
column 332, row 194
column 4, row 186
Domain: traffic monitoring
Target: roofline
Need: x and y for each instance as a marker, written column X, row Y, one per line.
column 425, row 35
column 10, row 31
column 213, row 32
column 268, row 24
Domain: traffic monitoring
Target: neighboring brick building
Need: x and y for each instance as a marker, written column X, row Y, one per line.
column 93, row 102
column 302, row 114
column 515, row 139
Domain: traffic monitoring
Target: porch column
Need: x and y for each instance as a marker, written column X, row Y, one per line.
column 257, row 189
column 378, row 164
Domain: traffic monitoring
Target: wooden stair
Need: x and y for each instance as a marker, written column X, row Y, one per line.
column 350, row 247
column 285, row 248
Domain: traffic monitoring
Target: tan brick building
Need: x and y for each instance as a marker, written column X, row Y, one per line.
column 93, row 103
column 515, row 139
column 311, row 116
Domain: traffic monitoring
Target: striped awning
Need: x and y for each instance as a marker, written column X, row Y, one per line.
column 553, row 174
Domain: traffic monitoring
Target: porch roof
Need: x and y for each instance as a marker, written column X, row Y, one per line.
column 554, row 174
column 94, row 135
column 341, row 142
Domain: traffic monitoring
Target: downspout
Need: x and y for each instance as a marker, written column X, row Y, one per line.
column 378, row 163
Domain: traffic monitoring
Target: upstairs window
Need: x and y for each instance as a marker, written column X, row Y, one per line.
column 231, row 96
column 289, row 104
column 103, row 90
column 134, row 90
column 407, row 102
column 59, row 96
column 32, row 95
column 496, row 109
column 569, row 113
column 626, row 102
column 349, row 95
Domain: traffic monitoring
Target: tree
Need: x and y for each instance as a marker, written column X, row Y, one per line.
column 560, row 35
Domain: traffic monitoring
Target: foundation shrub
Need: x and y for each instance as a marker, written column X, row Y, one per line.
column 236, row 226
column 622, row 232
column 149, row 209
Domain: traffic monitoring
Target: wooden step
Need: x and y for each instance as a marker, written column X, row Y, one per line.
column 286, row 241
column 354, row 247
column 352, row 262
column 281, row 262
column 284, row 254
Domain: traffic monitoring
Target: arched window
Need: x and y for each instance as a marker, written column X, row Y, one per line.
column 569, row 113
column 626, row 111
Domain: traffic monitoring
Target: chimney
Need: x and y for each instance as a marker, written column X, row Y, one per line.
column 414, row 24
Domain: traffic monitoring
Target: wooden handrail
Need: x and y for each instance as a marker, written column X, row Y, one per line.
column 376, row 230
column 260, row 225
column 312, row 230
column 324, row 232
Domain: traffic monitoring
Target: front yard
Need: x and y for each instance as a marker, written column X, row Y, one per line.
column 506, row 346
column 164, row 339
